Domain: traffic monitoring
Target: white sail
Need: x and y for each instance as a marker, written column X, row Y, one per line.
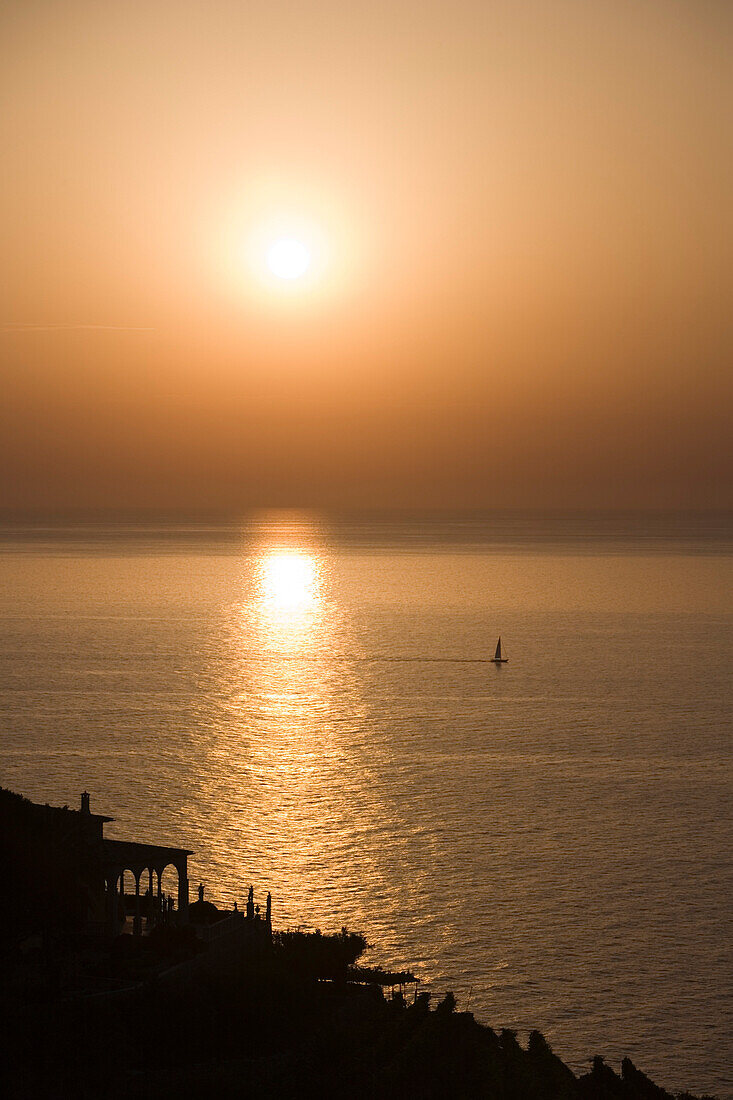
column 497, row 655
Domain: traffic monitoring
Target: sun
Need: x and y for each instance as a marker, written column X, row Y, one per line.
column 288, row 258
column 292, row 256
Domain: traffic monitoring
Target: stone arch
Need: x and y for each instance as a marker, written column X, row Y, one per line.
column 174, row 877
column 167, row 875
column 129, row 879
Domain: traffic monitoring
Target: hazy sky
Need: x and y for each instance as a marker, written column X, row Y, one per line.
column 518, row 213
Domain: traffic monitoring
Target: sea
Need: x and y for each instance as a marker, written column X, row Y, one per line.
column 308, row 703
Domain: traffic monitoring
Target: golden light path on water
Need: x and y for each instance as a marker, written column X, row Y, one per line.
column 295, row 790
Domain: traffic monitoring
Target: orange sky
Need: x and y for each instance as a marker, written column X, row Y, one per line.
column 525, row 219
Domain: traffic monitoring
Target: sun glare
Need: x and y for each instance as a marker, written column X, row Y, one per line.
column 286, row 251
column 288, row 258
column 289, row 580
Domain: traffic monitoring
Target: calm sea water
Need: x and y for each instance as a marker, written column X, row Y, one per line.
column 308, row 706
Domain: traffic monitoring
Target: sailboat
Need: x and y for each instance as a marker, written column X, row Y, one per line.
column 497, row 659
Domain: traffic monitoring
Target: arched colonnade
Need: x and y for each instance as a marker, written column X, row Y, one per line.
column 136, row 871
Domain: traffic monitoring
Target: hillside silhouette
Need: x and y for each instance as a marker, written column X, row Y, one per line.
column 86, row 1014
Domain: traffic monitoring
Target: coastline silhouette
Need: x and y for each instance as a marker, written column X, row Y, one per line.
column 195, row 1000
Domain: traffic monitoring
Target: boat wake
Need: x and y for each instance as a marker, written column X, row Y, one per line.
column 347, row 658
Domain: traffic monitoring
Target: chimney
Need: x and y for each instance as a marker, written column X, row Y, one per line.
column 85, row 802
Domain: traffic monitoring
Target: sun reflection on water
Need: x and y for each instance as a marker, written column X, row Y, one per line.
column 289, row 580
column 290, row 781
column 299, row 749
column 288, row 612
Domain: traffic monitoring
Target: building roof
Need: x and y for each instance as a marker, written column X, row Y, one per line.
column 128, row 854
